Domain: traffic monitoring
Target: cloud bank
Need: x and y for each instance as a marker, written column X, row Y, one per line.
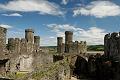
column 40, row 6
column 5, row 26
column 99, row 9
column 13, row 14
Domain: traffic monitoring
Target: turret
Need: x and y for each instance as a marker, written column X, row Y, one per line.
column 68, row 40
column 23, row 46
column 36, row 42
column 17, row 45
column 2, row 38
column 60, row 46
column 29, row 36
column 11, row 44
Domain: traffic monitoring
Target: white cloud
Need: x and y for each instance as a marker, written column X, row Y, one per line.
column 5, row 26
column 40, row 6
column 13, row 14
column 52, row 37
column 48, row 41
column 65, row 2
column 98, row 9
column 93, row 35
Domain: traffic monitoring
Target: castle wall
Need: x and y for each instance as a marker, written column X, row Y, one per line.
column 13, row 62
column 112, row 45
column 2, row 39
column 82, row 47
column 17, row 45
column 68, row 40
column 29, row 36
column 23, row 46
column 26, row 63
column 107, row 44
column 11, row 44
column 60, row 45
column 42, row 58
column 70, row 46
column 55, row 71
column 3, row 65
column 36, row 42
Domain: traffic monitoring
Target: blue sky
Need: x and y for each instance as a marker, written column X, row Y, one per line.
column 90, row 20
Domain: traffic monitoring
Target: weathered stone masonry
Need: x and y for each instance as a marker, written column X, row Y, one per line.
column 3, row 50
column 36, row 42
column 2, row 39
column 112, row 45
column 60, row 47
column 22, row 54
column 70, row 46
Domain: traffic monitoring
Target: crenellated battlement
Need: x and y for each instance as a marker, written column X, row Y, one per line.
column 24, row 45
column 3, row 29
column 69, row 32
column 29, row 30
column 112, row 44
column 70, row 46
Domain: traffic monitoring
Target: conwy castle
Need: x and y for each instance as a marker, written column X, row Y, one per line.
column 70, row 46
column 20, row 54
column 25, row 59
column 26, row 55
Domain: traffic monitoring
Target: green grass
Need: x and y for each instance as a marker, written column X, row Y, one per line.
column 95, row 48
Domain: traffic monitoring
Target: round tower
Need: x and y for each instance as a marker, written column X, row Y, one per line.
column 2, row 38
column 59, row 40
column 11, row 44
column 59, row 44
column 37, row 41
column 68, row 36
column 23, row 46
column 17, row 45
column 68, row 40
column 29, row 35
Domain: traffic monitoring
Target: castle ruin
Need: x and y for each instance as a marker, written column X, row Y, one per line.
column 70, row 46
column 21, row 54
column 112, row 45
column 26, row 55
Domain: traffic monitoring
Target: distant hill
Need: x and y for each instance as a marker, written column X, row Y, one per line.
column 89, row 47
column 95, row 48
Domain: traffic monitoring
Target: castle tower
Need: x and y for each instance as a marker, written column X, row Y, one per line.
column 68, row 40
column 107, row 45
column 11, row 44
column 60, row 46
column 113, row 44
column 119, row 43
column 2, row 39
column 23, row 46
column 36, row 42
column 29, row 36
column 17, row 45
column 76, row 46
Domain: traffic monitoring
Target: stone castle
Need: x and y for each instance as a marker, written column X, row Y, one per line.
column 69, row 46
column 21, row 54
column 26, row 55
column 112, row 45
